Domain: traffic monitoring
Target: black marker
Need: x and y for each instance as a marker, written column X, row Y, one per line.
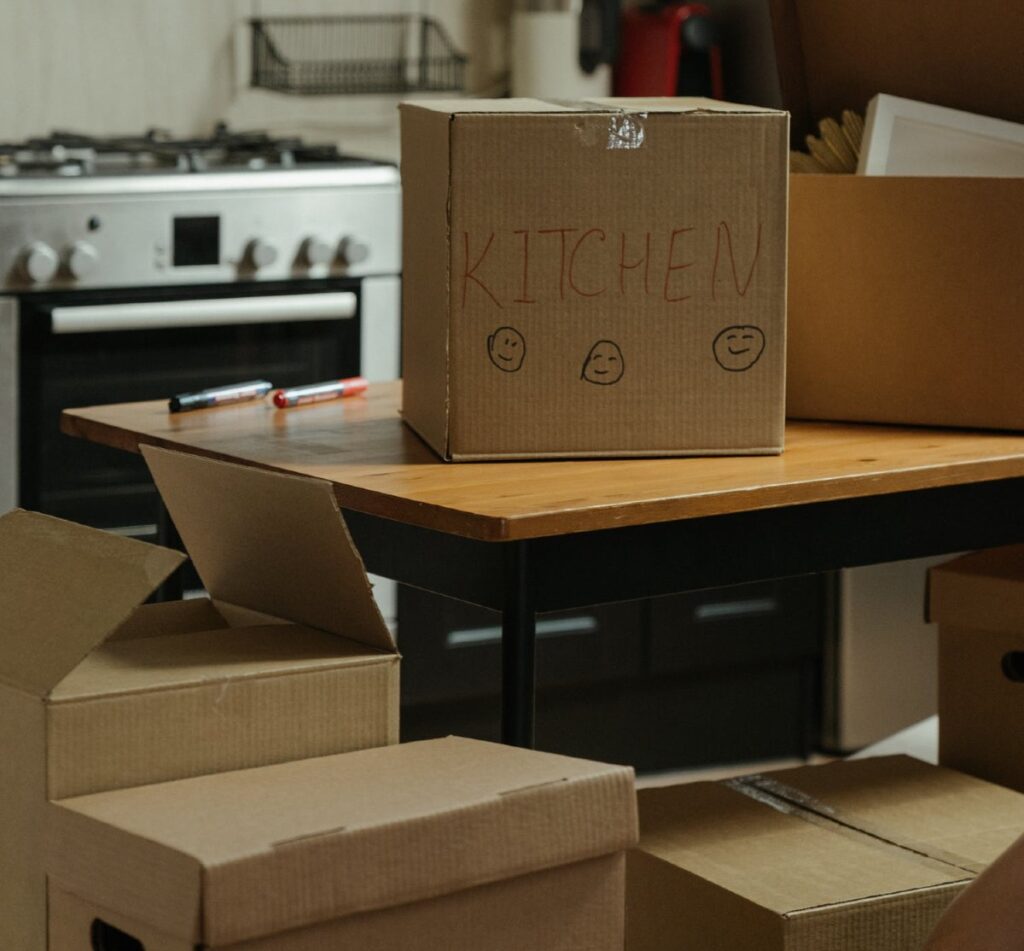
column 219, row 396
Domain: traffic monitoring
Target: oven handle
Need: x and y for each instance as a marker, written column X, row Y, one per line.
column 159, row 315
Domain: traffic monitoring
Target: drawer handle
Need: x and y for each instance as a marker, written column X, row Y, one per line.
column 104, row 937
column 718, row 610
column 1013, row 666
column 550, row 627
column 215, row 312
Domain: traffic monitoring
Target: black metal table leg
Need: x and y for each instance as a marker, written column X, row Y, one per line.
column 167, row 535
column 518, row 649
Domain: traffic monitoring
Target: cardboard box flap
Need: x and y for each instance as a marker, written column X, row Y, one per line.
column 274, row 543
column 951, row 816
column 819, row 836
column 835, row 56
column 231, row 655
column 311, row 840
column 603, row 104
column 777, row 858
column 983, row 590
column 63, row 589
column 676, row 105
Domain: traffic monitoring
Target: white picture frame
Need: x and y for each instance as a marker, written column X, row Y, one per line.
column 907, row 137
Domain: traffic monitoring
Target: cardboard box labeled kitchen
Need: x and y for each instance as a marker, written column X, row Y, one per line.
column 905, row 294
column 289, row 657
column 442, row 845
column 978, row 602
column 597, row 278
column 856, row 855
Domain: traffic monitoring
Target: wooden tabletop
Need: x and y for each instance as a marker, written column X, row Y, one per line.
column 379, row 466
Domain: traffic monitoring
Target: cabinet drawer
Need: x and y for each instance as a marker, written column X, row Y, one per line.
column 671, row 722
column 452, row 650
column 745, row 624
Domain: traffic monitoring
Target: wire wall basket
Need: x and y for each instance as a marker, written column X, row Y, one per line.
column 320, row 56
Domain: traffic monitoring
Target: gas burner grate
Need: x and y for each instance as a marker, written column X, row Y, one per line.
column 68, row 154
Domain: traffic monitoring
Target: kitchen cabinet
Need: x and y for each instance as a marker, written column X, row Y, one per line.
column 723, row 675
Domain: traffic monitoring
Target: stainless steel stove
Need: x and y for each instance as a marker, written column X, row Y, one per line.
column 138, row 267
column 79, row 212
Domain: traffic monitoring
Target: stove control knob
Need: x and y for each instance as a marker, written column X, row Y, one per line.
column 81, row 259
column 39, row 262
column 259, row 253
column 314, row 251
column 353, row 251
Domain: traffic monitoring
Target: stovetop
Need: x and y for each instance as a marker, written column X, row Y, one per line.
column 68, row 155
column 153, row 210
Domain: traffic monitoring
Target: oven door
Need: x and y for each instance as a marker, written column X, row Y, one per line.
column 92, row 348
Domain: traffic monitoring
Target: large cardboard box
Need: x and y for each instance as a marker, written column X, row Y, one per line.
column 287, row 659
column 849, row 856
column 978, row 602
column 905, row 294
column 596, row 278
column 442, row 845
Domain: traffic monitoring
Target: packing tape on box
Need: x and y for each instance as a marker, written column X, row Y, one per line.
column 768, row 792
column 626, row 130
column 795, row 802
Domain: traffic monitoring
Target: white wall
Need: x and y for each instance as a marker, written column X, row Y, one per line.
column 122, row 66
column 108, row 66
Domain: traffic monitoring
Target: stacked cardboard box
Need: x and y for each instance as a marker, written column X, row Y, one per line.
column 443, row 845
column 189, row 743
column 287, row 658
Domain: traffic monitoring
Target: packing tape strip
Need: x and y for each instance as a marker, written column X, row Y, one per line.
column 795, row 802
column 626, row 130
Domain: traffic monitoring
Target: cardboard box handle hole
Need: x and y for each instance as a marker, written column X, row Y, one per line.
column 105, row 937
column 1013, row 666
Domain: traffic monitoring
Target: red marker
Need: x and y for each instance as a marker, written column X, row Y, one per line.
column 318, row 392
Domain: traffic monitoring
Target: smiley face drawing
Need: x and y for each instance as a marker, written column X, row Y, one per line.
column 738, row 348
column 604, row 364
column 506, row 349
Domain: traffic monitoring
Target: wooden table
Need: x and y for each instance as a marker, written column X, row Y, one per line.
column 542, row 536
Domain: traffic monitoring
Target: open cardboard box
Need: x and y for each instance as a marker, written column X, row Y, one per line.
column 443, row 845
column 855, row 855
column 288, row 658
column 905, row 294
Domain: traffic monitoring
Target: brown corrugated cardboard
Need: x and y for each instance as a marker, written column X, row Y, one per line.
column 978, row 602
column 892, row 319
column 849, row 856
column 447, row 844
column 288, row 659
column 598, row 278
column 904, row 293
